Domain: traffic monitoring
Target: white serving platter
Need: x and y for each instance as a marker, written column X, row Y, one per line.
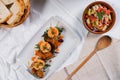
column 71, row 41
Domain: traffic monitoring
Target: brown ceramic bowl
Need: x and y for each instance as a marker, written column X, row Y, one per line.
column 113, row 16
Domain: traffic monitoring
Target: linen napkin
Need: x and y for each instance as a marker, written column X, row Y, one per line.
column 104, row 65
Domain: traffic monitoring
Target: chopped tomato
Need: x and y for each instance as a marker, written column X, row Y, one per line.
column 104, row 9
column 90, row 26
column 93, row 18
column 108, row 12
column 99, row 9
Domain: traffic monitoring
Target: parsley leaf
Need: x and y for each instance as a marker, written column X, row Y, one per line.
column 100, row 15
column 45, row 35
column 37, row 47
column 60, row 30
column 46, row 66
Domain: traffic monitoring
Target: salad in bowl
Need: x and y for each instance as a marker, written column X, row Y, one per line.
column 99, row 17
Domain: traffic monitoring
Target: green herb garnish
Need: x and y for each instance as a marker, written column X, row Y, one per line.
column 45, row 35
column 100, row 15
column 37, row 47
column 60, row 30
column 46, row 66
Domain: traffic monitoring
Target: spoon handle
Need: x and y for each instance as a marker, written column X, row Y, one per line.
column 80, row 65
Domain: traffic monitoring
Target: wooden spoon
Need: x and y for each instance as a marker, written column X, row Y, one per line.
column 102, row 43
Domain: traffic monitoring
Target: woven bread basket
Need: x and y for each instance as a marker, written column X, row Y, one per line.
column 23, row 18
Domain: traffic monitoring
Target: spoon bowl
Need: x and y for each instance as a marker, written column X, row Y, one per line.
column 103, row 42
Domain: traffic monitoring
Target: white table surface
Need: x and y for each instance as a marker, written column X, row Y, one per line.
column 12, row 41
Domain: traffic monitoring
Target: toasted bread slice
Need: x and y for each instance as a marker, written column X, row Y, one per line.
column 18, row 10
column 7, row 2
column 4, row 13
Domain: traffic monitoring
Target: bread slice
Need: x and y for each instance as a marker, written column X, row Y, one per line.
column 26, row 2
column 14, row 19
column 4, row 13
column 7, row 2
column 18, row 10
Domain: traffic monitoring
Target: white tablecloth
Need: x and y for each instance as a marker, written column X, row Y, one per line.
column 12, row 41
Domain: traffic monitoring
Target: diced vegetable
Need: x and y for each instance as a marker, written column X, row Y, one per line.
column 93, row 18
column 96, row 22
column 108, row 12
column 104, row 28
column 88, row 21
column 90, row 26
column 109, row 16
column 93, row 23
column 89, row 12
